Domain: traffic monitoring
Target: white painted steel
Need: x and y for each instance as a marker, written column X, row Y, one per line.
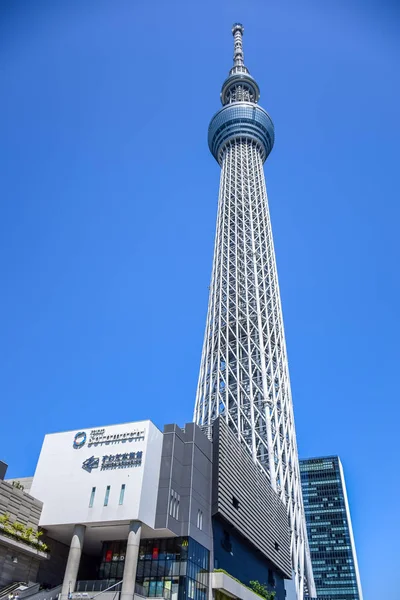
column 350, row 526
column 244, row 373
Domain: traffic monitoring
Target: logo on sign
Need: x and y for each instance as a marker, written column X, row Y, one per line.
column 90, row 463
column 79, row 439
column 113, row 461
column 99, row 437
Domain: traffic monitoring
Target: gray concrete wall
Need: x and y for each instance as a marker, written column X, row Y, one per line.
column 186, row 469
column 51, row 572
column 25, row 569
column 3, row 469
column 19, row 505
column 26, row 482
column 16, row 565
column 243, row 497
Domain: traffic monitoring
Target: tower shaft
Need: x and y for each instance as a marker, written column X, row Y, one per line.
column 244, row 373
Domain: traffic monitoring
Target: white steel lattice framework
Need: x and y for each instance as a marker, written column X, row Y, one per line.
column 244, row 373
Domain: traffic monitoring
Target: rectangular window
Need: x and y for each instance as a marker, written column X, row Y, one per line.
column 122, row 494
column 200, row 519
column 92, row 495
column 106, row 497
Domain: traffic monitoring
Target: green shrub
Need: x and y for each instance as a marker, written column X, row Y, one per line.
column 262, row 590
column 20, row 532
column 255, row 586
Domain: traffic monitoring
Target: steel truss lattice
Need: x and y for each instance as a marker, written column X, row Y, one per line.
column 244, row 373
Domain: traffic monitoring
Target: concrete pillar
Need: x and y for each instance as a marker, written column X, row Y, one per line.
column 131, row 560
column 74, row 558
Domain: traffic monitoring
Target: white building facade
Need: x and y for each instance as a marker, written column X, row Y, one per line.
column 97, row 485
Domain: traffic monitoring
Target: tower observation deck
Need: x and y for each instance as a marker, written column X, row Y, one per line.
column 244, row 374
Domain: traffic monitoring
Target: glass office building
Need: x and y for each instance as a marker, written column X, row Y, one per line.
column 170, row 568
column 330, row 535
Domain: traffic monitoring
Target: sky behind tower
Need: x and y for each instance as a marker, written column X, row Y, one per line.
column 108, row 204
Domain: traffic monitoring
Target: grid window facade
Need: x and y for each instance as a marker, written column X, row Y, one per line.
column 176, row 569
column 112, row 562
column 329, row 530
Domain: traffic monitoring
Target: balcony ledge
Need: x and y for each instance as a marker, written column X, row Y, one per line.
column 24, row 548
column 231, row 587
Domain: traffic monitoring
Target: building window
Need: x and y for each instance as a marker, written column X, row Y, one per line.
column 92, row 495
column 226, row 542
column 271, row 578
column 174, row 501
column 106, row 497
column 276, row 546
column 235, row 502
column 172, row 568
column 200, row 519
column 122, row 494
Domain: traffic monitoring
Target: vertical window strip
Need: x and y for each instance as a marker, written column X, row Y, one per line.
column 199, row 519
column 92, row 495
column 174, row 502
column 106, row 497
column 122, row 494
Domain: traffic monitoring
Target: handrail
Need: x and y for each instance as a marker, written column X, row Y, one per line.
column 106, row 590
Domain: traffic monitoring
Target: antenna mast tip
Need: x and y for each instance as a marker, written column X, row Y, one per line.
column 237, row 27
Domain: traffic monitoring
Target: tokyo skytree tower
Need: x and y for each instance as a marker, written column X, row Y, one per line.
column 244, row 373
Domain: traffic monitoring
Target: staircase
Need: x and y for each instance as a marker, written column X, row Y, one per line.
column 11, row 588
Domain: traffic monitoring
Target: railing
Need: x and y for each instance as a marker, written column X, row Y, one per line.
column 98, row 585
column 144, row 592
column 140, row 590
column 114, row 585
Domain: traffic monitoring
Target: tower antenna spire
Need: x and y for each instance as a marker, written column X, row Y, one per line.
column 237, row 31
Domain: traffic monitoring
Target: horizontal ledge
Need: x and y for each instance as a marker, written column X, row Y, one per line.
column 24, row 548
column 231, row 587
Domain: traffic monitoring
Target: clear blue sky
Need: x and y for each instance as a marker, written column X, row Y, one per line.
column 108, row 204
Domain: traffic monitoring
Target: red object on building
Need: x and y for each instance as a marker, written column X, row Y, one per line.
column 155, row 553
column 109, row 556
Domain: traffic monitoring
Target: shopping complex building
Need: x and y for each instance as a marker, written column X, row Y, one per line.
column 128, row 510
